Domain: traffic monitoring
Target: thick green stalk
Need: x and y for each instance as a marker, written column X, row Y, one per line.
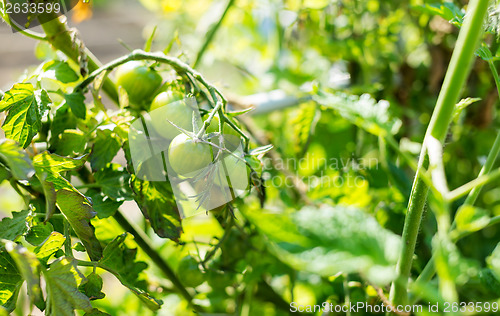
column 456, row 75
column 429, row 269
column 62, row 38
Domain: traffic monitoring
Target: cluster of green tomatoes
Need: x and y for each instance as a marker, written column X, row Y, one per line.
column 170, row 113
column 172, row 118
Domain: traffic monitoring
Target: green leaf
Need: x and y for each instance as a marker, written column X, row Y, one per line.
column 96, row 312
column 494, row 261
column 12, row 228
column 78, row 211
column 57, row 164
column 79, row 247
column 447, row 10
column 102, row 204
column 17, row 160
column 10, row 282
column 3, row 311
column 4, row 174
column 49, row 247
column 63, row 120
column 471, row 219
column 114, row 182
column 63, row 297
column 149, row 42
column 76, row 102
column 449, row 263
column 157, row 203
column 38, row 233
column 261, row 150
column 240, row 112
column 49, row 191
column 484, row 53
column 59, row 70
column 29, row 268
column 490, row 281
column 26, row 108
column 330, row 240
column 303, row 126
column 51, row 165
column 362, row 111
column 464, row 103
column 105, row 148
column 121, row 260
column 70, row 142
column 92, row 288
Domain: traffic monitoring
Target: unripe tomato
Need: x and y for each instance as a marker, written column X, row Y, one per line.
column 232, row 138
column 189, row 272
column 219, row 280
column 188, row 156
column 232, row 172
column 169, row 106
column 140, row 82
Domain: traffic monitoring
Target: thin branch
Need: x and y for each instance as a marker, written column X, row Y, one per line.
column 142, row 241
column 211, row 33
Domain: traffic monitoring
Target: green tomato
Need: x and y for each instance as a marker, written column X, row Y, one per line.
column 232, row 172
column 169, row 107
column 232, row 138
column 219, row 280
column 188, row 156
column 139, row 81
column 189, row 272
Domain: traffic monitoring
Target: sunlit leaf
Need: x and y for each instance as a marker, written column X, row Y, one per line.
column 63, row 297
column 11, row 228
column 70, row 143
column 52, row 244
column 60, row 71
column 78, row 211
column 10, row 281
column 29, row 268
column 330, row 240
column 364, row 111
column 52, row 165
column 471, row 219
column 26, row 108
column 16, row 159
column 38, row 233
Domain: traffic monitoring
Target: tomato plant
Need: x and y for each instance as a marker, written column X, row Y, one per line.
column 255, row 158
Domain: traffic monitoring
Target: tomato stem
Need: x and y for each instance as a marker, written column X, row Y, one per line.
column 455, row 78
